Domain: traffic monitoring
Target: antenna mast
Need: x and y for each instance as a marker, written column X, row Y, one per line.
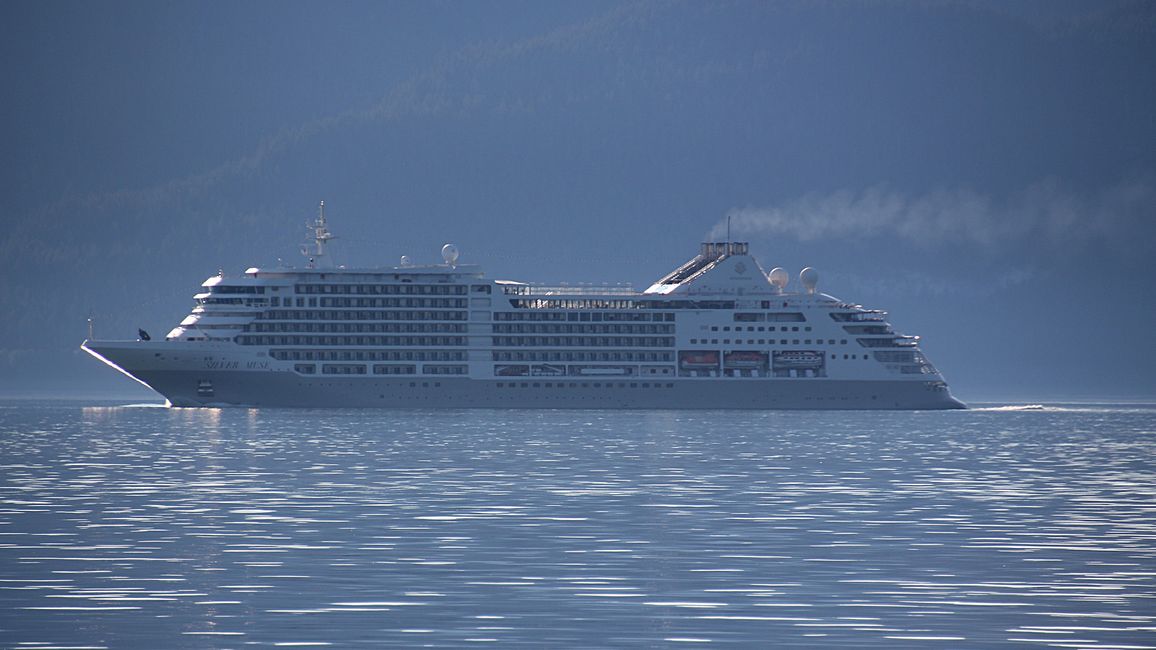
column 321, row 237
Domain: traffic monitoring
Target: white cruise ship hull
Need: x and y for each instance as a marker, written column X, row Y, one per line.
column 718, row 332
column 175, row 373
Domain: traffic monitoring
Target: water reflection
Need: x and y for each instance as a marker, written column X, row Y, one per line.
column 121, row 527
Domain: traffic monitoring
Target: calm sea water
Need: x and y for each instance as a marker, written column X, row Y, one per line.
column 144, row 527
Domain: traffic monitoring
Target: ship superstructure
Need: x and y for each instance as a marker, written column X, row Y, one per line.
column 717, row 332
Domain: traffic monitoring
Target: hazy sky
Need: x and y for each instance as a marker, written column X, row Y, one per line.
column 984, row 171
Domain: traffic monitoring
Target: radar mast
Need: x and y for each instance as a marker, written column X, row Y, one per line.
column 321, row 237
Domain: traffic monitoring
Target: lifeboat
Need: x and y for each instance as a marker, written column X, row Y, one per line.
column 698, row 359
column 798, row 359
column 745, row 359
column 512, row 371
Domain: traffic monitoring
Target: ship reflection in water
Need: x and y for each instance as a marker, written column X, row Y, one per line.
column 186, row 528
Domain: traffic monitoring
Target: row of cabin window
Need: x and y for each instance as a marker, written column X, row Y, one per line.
column 453, row 303
column 386, row 289
column 787, row 317
column 554, row 328
column 281, row 314
column 233, row 288
column 868, row 329
column 580, row 384
column 859, row 316
column 368, row 355
column 903, row 356
column 893, row 342
column 459, row 303
column 603, row 303
column 444, row 370
column 379, row 369
column 768, row 341
column 254, row 339
column 637, row 357
column 291, row 327
column 585, row 341
column 571, row 303
column 360, row 369
column 329, row 369
column 761, row 328
column 574, row 316
column 456, row 303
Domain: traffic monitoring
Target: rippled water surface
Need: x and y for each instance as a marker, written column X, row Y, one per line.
column 137, row 527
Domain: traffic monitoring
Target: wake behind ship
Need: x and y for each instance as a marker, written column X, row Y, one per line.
column 717, row 332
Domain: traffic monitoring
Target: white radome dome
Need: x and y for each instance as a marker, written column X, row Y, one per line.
column 450, row 254
column 809, row 277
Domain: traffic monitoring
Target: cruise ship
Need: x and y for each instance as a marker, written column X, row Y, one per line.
column 718, row 332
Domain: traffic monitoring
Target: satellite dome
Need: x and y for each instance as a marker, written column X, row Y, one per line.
column 405, row 261
column 810, row 279
column 450, row 254
column 779, row 277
